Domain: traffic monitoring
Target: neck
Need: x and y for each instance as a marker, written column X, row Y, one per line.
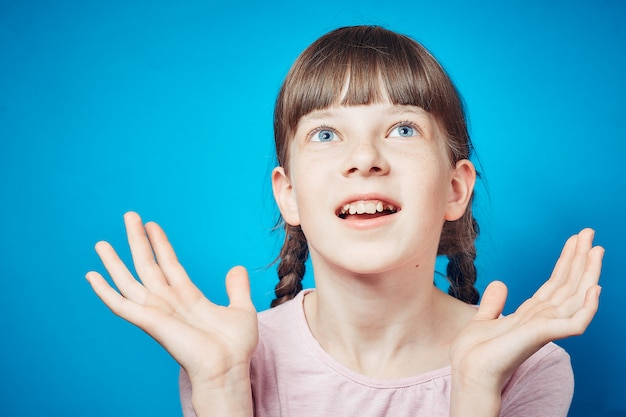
column 374, row 323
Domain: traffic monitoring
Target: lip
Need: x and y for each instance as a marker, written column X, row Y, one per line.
column 367, row 221
column 369, row 196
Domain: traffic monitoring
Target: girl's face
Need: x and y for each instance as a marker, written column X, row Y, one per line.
column 371, row 186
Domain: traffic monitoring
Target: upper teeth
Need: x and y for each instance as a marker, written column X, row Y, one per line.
column 366, row 207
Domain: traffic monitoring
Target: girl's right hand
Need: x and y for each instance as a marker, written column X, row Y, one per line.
column 214, row 344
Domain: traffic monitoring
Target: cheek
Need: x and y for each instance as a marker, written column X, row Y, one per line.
column 309, row 173
column 428, row 165
column 314, row 192
column 431, row 182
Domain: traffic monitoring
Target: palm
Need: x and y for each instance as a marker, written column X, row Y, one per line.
column 495, row 346
column 206, row 339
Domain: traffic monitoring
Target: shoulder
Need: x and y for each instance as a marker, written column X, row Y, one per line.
column 280, row 329
column 542, row 386
column 551, row 355
column 278, row 355
column 283, row 317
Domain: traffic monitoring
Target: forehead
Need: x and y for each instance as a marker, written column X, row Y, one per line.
column 380, row 110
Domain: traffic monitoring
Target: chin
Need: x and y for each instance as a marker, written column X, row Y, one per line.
column 377, row 265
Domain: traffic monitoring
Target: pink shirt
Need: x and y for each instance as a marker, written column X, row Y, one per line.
column 293, row 376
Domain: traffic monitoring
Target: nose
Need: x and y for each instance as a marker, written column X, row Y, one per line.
column 366, row 159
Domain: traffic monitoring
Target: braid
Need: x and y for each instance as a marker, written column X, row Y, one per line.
column 291, row 268
column 462, row 276
column 461, row 271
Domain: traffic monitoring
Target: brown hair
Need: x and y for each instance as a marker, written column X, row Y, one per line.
column 373, row 61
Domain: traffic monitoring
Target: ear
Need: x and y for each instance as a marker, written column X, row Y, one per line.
column 285, row 196
column 461, row 189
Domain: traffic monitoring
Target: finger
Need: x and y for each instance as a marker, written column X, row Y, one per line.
column 590, row 307
column 111, row 298
column 590, row 278
column 141, row 316
column 580, row 320
column 568, row 269
column 166, row 257
column 141, row 251
column 560, row 270
column 123, row 279
column 238, row 288
column 593, row 268
column 570, row 286
column 583, row 246
column 159, row 326
column 492, row 302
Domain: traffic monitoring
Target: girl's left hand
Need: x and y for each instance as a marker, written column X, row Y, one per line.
column 491, row 347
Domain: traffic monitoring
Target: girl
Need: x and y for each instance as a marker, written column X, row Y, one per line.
column 374, row 181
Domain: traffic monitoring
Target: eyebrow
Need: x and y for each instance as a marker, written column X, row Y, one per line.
column 319, row 114
column 394, row 110
column 401, row 108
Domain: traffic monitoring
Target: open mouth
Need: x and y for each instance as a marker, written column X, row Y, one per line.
column 366, row 209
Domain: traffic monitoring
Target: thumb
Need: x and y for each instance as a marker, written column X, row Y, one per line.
column 238, row 288
column 492, row 302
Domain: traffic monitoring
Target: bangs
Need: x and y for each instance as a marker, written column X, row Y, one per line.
column 364, row 65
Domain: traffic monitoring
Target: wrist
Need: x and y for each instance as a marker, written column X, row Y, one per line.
column 472, row 398
column 229, row 394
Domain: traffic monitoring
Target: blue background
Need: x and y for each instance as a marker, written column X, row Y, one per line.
column 166, row 108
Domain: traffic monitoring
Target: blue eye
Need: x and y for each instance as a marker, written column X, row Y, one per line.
column 404, row 131
column 324, row 135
